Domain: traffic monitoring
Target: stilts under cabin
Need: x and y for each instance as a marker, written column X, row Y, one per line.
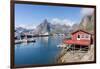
column 80, row 39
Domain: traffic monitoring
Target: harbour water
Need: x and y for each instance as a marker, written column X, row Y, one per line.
column 43, row 51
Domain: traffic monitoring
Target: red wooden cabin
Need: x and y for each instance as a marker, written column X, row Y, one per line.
column 80, row 37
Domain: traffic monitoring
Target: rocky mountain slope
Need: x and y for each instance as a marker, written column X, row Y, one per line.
column 87, row 23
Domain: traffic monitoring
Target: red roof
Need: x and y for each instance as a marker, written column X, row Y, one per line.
column 81, row 30
column 77, row 42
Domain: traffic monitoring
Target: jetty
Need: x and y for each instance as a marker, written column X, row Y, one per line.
column 25, row 40
column 28, row 37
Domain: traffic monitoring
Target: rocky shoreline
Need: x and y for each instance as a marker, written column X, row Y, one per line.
column 77, row 56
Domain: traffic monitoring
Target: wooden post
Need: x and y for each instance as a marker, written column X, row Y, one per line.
column 74, row 48
column 89, row 47
column 80, row 47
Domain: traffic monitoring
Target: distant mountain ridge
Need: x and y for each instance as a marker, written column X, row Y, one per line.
column 45, row 27
column 87, row 23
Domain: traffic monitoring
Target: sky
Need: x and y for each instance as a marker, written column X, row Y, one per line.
column 30, row 16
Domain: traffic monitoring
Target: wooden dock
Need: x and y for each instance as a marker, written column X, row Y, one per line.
column 25, row 40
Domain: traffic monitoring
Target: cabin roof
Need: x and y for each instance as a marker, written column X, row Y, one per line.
column 80, row 30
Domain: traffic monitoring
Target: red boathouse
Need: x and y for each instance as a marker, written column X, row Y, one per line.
column 80, row 38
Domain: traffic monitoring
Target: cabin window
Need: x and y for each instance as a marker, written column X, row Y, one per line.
column 78, row 36
column 82, row 36
column 87, row 36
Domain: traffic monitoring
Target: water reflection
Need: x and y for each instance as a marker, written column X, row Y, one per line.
column 43, row 51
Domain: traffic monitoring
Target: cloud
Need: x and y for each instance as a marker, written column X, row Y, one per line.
column 26, row 26
column 87, row 11
column 62, row 21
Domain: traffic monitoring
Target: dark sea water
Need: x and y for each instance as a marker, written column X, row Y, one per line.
column 43, row 51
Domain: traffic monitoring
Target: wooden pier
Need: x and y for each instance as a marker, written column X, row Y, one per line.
column 25, row 40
